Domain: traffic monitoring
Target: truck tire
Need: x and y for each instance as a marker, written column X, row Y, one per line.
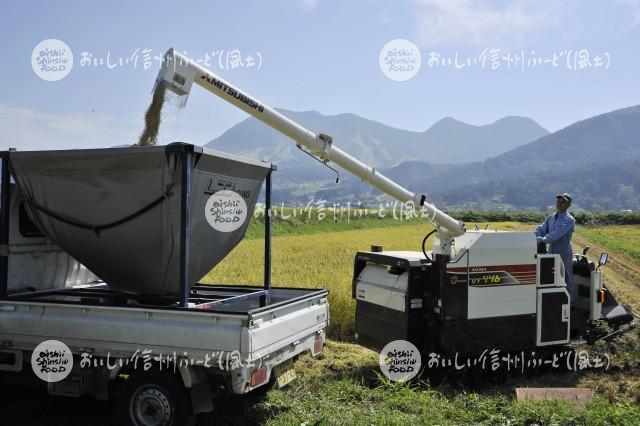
column 154, row 399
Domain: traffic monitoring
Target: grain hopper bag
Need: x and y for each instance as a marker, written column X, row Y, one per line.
column 118, row 210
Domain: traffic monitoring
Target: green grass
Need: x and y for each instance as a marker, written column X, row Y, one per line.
column 623, row 238
column 341, row 387
column 349, row 402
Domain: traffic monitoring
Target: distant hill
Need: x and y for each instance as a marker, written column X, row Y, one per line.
column 597, row 159
column 603, row 139
column 379, row 145
column 450, row 141
column 609, row 137
column 604, row 187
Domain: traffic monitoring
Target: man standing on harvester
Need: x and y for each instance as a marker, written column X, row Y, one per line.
column 557, row 230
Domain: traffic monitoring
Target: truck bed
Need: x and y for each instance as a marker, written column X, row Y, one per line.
column 250, row 322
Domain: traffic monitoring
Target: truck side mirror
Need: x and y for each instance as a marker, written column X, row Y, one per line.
column 603, row 259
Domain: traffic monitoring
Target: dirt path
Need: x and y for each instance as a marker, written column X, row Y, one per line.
column 622, row 273
column 622, row 277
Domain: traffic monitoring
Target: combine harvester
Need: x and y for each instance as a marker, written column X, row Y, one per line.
column 150, row 222
column 474, row 290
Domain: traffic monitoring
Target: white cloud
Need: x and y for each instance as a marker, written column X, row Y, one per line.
column 29, row 129
column 635, row 13
column 308, row 5
column 474, row 22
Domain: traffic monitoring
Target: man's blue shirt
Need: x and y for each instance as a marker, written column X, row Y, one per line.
column 557, row 229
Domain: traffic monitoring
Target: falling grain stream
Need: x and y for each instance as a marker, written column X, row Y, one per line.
column 153, row 117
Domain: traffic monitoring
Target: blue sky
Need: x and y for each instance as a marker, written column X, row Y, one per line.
column 320, row 55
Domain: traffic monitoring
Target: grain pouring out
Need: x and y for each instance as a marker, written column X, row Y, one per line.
column 153, row 116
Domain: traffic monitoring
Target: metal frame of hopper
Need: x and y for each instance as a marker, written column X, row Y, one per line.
column 188, row 151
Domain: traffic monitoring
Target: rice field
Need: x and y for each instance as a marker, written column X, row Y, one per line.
column 344, row 386
column 622, row 238
column 314, row 261
column 318, row 260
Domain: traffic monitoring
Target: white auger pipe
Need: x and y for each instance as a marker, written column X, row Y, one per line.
column 180, row 73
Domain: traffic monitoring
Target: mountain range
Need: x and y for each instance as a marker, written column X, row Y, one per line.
column 448, row 141
column 512, row 163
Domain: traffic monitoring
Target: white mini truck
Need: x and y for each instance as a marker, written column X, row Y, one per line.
column 163, row 344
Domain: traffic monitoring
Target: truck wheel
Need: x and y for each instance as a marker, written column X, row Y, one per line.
column 149, row 399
